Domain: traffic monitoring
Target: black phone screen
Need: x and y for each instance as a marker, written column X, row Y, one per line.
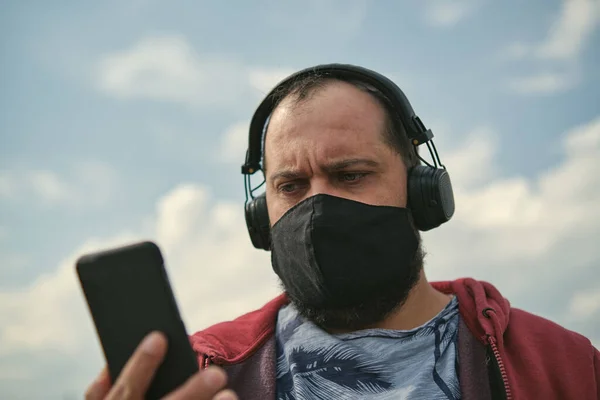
column 129, row 295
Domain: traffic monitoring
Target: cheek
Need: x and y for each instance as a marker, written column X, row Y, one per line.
column 393, row 191
column 275, row 211
column 403, row 199
column 385, row 197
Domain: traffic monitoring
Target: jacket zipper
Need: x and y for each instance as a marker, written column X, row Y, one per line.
column 501, row 366
column 206, row 362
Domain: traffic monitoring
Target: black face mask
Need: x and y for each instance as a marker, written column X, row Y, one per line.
column 334, row 253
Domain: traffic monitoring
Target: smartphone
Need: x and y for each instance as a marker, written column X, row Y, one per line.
column 129, row 295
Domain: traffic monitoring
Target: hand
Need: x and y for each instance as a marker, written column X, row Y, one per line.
column 137, row 375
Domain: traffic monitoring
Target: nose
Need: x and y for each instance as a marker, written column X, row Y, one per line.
column 323, row 186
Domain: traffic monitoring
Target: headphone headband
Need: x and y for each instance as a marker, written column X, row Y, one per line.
column 430, row 197
column 415, row 129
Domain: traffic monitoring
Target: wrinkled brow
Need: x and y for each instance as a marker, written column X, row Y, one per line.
column 334, row 166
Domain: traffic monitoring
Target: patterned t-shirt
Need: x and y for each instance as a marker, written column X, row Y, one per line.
column 420, row 363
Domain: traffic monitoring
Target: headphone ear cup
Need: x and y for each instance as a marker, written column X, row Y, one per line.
column 430, row 196
column 257, row 221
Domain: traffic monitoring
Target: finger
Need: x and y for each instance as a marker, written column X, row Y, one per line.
column 100, row 387
column 227, row 394
column 204, row 385
column 135, row 378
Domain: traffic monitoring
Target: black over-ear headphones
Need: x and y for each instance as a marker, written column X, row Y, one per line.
column 430, row 196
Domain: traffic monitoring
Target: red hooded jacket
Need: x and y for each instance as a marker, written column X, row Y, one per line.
column 503, row 352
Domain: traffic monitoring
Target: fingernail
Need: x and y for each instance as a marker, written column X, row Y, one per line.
column 152, row 344
column 103, row 377
column 228, row 395
column 214, row 378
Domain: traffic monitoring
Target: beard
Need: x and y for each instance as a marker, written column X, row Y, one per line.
column 365, row 314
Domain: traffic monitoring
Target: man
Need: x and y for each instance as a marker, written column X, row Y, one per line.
column 346, row 196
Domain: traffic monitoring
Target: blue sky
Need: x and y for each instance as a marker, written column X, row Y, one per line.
column 126, row 119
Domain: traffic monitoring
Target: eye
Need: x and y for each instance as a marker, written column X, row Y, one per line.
column 351, row 177
column 289, row 188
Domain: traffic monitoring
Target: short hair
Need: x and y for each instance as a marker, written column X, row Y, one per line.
column 394, row 134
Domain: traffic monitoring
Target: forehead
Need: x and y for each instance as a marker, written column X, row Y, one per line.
column 338, row 118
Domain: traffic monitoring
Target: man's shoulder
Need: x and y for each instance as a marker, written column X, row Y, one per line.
column 231, row 341
column 517, row 325
column 538, row 338
column 525, row 322
column 538, row 350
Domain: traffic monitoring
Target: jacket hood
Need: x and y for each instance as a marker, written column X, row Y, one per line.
column 484, row 310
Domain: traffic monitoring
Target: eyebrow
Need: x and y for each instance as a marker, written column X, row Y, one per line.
column 351, row 162
column 335, row 166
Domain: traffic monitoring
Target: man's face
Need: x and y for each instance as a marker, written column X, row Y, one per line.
column 332, row 143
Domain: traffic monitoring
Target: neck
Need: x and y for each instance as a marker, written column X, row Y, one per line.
column 422, row 304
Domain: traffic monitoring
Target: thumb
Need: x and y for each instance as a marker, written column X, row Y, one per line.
column 100, row 387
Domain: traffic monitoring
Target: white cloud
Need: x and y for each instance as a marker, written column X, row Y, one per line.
column 571, row 30
column 7, row 184
column 583, row 139
column 516, row 202
column 543, row 83
column 144, row 69
column 448, row 13
column 566, row 38
column 585, row 304
column 342, row 19
column 12, row 261
column 520, row 233
column 234, row 143
column 208, row 250
column 160, row 67
column 562, row 47
column 514, row 51
column 535, row 238
column 265, row 79
column 88, row 184
column 470, row 165
column 96, row 182
column 40, row 184
column 167, row 68
column 49, row 186
column 9, row 372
